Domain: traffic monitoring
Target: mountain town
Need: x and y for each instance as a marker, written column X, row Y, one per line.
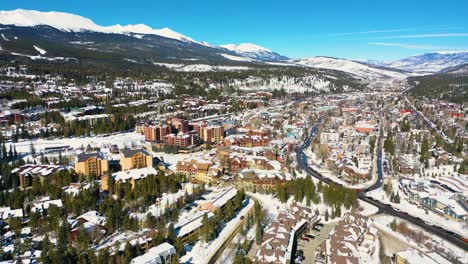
column 129, row 144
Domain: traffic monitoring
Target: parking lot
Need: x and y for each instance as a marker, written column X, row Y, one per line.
column 309, row 247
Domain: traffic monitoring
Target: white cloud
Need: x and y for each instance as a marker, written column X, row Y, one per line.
column 439, row 49
column 368, row 32
column 407, row 46
column 438, row 35
column 372, row 32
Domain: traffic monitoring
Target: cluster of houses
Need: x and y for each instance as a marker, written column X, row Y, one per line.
column 444, row 195
column 352, row 241
column 346, row 139
column 279, row 240
column 448, row 115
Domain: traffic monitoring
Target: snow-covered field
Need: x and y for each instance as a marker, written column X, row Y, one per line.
column 200, row 67
column 349, row 66
column 120, row 139
column 311, row 82
column 271, row 205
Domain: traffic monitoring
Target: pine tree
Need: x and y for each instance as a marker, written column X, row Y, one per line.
column 15, row 153
column 129, row 252
column 397, row 198
column 46, row 250
column 258, row 234
column 338, row 211
column 171, row 233
column 10, row 153
column 32, row 149
column 424, row 150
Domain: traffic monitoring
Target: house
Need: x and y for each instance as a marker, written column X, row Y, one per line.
column 251, row 179
column 156, row 255
column 364, row 127
column 89, row 222
column 350, row 236
column 26, row 172
column 131, row 176
column 200, row 170
column 219, row 201
column 91, row 164
column 43, row 204
column 280, row 235
column 135, row 158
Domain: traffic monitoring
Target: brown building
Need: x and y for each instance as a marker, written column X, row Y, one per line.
column 91, row 164
column 179, row 140
column 181, row 125
column 156, row 133
column 212, row 134
column 27, row 172
column 135, row 158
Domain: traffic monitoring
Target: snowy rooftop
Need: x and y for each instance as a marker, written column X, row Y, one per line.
column 136, row 174
column 155, row 254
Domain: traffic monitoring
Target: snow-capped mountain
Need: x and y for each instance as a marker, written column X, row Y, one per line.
column 430, row 62
column 361, row 70
column 75, row 23
column 255, row 52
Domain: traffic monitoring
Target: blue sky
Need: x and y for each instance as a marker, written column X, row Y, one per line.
column 357, row 29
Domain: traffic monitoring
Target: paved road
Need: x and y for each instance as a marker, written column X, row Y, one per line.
column 217, row 254
column 383, row 208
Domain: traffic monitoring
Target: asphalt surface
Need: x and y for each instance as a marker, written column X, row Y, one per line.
column 383, row 208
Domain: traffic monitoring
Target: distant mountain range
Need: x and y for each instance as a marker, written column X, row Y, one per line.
column 56, row 36
column 255, row 52
column 356, row 68
column 75, row 32
column 430, row 62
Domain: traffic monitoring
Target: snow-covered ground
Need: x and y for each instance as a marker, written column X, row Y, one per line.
column 430, row 218
column 383, row 222
column 172, row 159
column 202, row 252
column 271, row 205
column 353, row 67
column 120, row 139
column 367, row 209
column 201, row 67
column 229, row 254
column 235, row 58
column 166, row 201
column 312, row 82
column 41, row 51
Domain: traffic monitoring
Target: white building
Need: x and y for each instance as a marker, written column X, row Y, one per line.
column 329, row 137
column 156, row 255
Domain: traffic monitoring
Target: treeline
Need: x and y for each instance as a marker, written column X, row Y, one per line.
column 305, row 189
column 116, row 123
column 448, row 87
